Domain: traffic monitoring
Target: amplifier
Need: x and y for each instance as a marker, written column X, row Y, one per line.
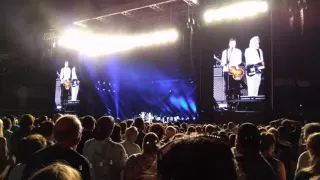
column 217, row 71
column 58, row 93
column 219, row 89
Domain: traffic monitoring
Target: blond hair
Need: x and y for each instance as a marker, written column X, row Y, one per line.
column 313, row 147
column 1, row 128
column 59, row 171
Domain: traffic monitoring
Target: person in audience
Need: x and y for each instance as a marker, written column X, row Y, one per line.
column 7, row 133
column 123, row 127
column 7, row 125
column 139, row 124
column 225, row 127
column 129, row 123
column 128, row 144
column 251, row 164
column 313, row 169
column 184, row 126
column 3, row 145
column 158, row 129
column 170, row 132
column 27, row 147
column 268, row 142
column 303, row 160
column 201, row 157
column 56, row 117
column 46, row 130
column 88, row 124
column 232, row 140
column 67, row 133
column 231, row 127
column 57, row 171
column 116, row 134
column 209, row 129
column 107, row 157
column 143, row 165
column 191, row 130
column 293, row 132
column 37, row 122
column 26, row 126
column 198, row 129
column 283, row 152
column 13, row 120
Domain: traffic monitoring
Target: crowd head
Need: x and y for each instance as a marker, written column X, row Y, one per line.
column 68, row 130
column 57, row 171
column 203, row 157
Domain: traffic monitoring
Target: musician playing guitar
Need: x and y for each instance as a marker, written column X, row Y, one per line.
column 65, row 76
column 231, row 57
column 254, row 63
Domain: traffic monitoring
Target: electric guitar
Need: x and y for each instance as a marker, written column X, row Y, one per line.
column 237, row 73
column 66, row 83
column 253, row 69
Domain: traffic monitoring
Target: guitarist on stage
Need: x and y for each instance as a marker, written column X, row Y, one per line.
column 254, row 58
column 231, row 57
column 65, row 76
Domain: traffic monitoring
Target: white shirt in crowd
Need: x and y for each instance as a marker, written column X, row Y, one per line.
column 107, row 158
column 65, row 74
column 234, row 55
column 131, row 148
column 252, row 56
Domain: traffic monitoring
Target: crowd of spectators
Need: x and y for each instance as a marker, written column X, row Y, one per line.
column 67, row 147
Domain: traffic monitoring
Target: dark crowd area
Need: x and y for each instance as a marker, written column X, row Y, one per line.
column 68, row 147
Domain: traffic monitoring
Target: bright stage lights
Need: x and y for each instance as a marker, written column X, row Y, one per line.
column 96, row 45
column 236, row 11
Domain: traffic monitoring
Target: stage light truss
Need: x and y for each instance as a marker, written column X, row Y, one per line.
column 129, row 9
column 102, row 19
column 156, row 7
column 191, row 2
column 129, row 14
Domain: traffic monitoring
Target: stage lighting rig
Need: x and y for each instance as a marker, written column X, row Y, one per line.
column 156, row 8
column 191, row 2
column 128, row 14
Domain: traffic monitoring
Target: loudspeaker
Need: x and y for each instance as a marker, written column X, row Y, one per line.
column 218, row 85
column 58, row 93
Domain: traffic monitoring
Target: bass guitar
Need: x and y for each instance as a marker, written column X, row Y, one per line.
column 66, row 84
column 253, row 69
column 237, row 73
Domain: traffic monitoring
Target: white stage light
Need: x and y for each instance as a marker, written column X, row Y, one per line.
column 236, row 11
column 96, row 45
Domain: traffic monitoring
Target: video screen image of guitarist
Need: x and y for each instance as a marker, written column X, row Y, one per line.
column 69, row 86
column 242, row 71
